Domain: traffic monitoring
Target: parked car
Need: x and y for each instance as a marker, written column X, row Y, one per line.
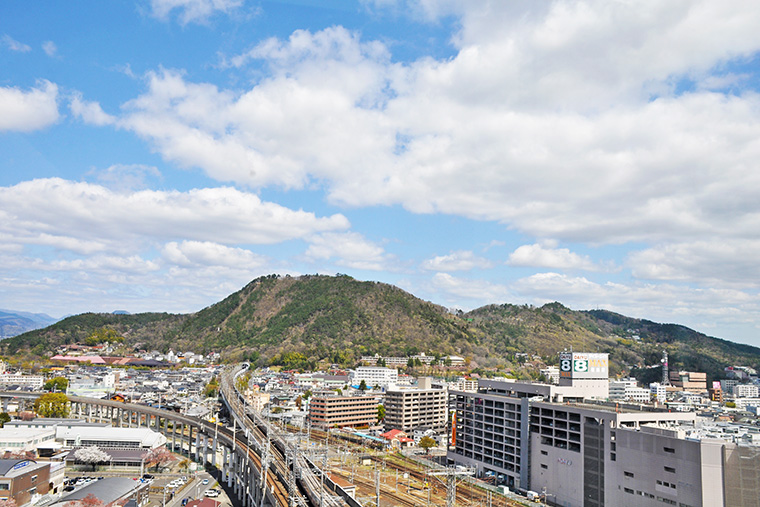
column 204, row 481
column 212, row 493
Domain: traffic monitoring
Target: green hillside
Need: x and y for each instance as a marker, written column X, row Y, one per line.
column 302, row 321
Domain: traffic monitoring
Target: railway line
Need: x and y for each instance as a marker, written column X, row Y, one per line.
column 297, row 478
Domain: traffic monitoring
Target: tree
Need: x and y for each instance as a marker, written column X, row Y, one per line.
column 212, row 388
column 4, row 418
column 92, row 501
column 427, row 443
column 159, row 456
column 26, row 415
column 184, row 464
column 380, row 413
column 52, row 405
column 362, row 386
column 91, row 455
column 56, row 384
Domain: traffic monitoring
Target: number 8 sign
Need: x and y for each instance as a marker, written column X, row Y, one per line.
column 580, row 365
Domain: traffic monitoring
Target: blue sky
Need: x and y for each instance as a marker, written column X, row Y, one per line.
column 159, row 154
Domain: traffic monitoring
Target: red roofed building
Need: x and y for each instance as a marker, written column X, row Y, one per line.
column 398, row 438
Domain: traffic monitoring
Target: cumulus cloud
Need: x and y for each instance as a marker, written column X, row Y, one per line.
column 92, row 212
column 25, row 111
column 349, row 249
column 544, row 256
column 208, row 253
column 90, row 112
column 462, row 260
column 707, row 262
column 476, row 292
column 193, row 11
column 479, row 136
column 14, row 45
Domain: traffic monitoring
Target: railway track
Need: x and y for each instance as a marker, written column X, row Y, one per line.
column 388, row 496
column 294, row 476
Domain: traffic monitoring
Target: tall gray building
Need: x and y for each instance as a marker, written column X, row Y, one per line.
column 416, row 408
column 585, row 452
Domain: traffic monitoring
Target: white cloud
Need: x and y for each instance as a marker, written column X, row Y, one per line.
column 25, row 111
column 477, row 292
column 544, row 256
column 707, row 262
column 15, row 45
column 350, row 249
column 337, row 112
column 50, row 48
column 193, row 11
column 90, row 112
column 207, row 253
column 126, row 177
column 659, row 302
column 91, row 212
column 462, row 260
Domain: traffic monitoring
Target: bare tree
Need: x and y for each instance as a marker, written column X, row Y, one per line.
column 91, row 455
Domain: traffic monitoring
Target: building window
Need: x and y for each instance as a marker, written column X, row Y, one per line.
column 34, row 478
column 628, row 474
column 544, row 466
column 628, row 490
column 4, row 487
column 670, row 469
column 669, row 450
column 544, row 453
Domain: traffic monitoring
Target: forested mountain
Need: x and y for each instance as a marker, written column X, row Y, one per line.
column 302, row 321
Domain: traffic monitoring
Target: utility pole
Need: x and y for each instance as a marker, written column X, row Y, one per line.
column 451, row 475
column 377, row 488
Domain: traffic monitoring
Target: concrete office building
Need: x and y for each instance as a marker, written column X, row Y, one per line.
column 573, row 448
column 490, row 428
column 411, row 409
column 494, row 429
column 628, row 390
column 339, row 411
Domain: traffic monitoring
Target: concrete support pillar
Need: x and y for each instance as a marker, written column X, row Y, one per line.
column 197, row 444
column 214, row 444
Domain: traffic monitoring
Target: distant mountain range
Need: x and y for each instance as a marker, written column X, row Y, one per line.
column 302, row 322
column 13, row 323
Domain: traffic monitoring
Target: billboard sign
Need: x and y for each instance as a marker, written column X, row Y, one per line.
column 583, row 365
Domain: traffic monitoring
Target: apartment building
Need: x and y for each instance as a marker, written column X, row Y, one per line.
column 374, row 376
column 415, row 408
column 330, row 411
column 746, row 391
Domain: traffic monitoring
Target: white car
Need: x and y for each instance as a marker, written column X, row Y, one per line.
column 212, row 493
